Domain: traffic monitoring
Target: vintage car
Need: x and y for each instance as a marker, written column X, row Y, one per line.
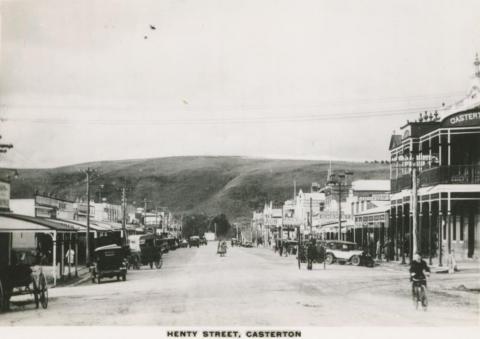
column 194, row 241
column 183, row 243
column 145, row 249
column 247, row 244
column 345, row 252
column 109, row 262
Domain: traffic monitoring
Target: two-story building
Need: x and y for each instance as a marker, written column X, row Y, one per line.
column 442, row 151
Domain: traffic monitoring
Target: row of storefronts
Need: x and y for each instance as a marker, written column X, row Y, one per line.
column 430, row 205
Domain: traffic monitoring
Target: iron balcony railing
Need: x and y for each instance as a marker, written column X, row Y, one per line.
column 401, row 183
column 453, row 174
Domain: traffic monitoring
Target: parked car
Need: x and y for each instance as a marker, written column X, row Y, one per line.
column 194, row 241
column 247, row 244
column 203, row 241
column 183, row 243
column 346, row 252
column 109, row 262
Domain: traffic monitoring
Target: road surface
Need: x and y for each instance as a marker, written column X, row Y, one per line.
column 253, row 287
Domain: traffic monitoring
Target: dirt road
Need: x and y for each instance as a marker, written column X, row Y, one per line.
column 253, row 287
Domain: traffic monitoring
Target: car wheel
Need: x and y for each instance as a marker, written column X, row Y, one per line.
column 330, row 258
column 355, row 260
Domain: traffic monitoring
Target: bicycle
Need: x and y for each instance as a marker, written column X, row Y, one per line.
column 419, row 293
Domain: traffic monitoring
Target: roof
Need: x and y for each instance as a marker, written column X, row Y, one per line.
column 395, row 140
column 371, row 185
column 16, row 225
column 55, row 226
column 376, row 210
column 108, row 247
column 80, row 225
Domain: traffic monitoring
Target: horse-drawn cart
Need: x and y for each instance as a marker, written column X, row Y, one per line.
column 21, row 280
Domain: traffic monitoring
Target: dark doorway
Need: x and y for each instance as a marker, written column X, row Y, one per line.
column 471, row 235
column 4, row 246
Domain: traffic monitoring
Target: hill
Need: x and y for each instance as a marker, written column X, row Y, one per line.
column 231, row 185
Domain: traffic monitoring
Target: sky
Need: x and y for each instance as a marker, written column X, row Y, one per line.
column 91, row 80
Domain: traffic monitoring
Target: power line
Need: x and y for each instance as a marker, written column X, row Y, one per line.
column 230, row 120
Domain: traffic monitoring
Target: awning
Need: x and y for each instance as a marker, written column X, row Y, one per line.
column 50, row 225
column 80, row 226
column 8, row 225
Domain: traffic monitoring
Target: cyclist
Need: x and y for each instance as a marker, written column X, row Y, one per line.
column 417, row 275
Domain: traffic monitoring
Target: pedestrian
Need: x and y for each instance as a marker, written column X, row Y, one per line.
column 70, row 257
column 280, row 248
column 311, row 253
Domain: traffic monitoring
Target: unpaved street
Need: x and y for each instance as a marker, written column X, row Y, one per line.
column 253, row 287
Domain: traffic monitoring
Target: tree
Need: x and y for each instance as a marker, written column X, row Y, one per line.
column 195, row 224
column 222, row 224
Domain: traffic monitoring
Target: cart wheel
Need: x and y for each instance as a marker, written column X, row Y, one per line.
column 36, row 294
column 159, row 263
column 43, row 291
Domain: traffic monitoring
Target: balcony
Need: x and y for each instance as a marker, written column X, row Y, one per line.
column 401, row 183
column 454, row 174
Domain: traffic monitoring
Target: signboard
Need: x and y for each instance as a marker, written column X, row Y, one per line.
column 4, row 195
column 375, row 197
column 462, row 120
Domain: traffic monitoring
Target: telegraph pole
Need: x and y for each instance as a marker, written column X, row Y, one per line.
column 414, row 210
column 339, row 210
column 311, row 218
column 88, row 172
column 124, row 215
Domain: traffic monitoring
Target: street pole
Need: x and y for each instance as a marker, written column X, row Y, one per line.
column 124, row 215
column 414, row 209
column 145, row 212
column 311, row 218
column 88, row 172
column 339, row 210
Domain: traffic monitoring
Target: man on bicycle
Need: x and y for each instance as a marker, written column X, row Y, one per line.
column 417, row 269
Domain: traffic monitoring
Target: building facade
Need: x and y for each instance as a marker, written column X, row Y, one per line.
column 435, row 181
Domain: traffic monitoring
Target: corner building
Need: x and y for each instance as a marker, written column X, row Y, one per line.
column 442, row 150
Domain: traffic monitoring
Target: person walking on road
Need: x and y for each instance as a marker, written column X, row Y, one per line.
column 311, row 253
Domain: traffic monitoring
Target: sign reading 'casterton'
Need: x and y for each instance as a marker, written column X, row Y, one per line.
column 463, row 119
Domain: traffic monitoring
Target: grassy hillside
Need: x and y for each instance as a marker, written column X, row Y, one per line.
column 231, row 185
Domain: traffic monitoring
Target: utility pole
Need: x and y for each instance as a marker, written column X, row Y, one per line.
column 311, row 218
column 124, row 215
column 145, row 212
column 89, row 171
column 5, row 147
column 414, row 209
column 339, row 210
